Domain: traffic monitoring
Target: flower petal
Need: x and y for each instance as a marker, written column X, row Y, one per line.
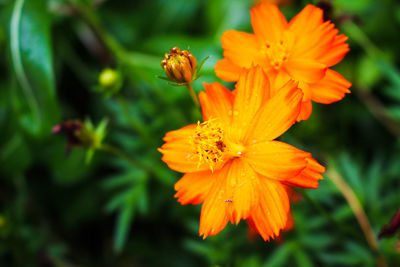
column 268, row 22
column 330, row 89
column 179, row 153
column 217, row 102
column 226, row 70
column 241, row 191
column 252, row 91
column 241, row 48
column 315, row 43
column 309, row 176
column 276, row 160
column 272, row 213
column 305, row 70
column 305, row 110
column 192, row 188
column 277, row 79
column 317, row 39
column 277, row 115
column 307, row 20
column 214, row 214
column 337, row 51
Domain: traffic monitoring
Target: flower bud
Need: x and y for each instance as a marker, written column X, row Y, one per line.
column 179, row 65
column 2, row 221
column 108, row 77
column 82, row 134
column 110, row 82
column 71, row 130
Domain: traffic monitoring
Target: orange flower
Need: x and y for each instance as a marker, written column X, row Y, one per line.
column 232, row 163
column 302, row 49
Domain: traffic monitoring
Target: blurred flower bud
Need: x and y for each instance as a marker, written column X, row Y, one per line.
column 180, row 66
column 82, row 134
column 110, row 82
column 108, row 77
column 2, row 220
column 392, row 227
column 71, row 131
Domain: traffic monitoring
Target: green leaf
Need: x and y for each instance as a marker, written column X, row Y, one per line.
column 199, row 66
column 281, row 255
column 117, row 201
column 123, row 225
column 302, row 258
column 125, row 218
column 31, row 54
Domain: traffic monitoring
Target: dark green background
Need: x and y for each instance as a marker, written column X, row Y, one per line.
column 55, row 210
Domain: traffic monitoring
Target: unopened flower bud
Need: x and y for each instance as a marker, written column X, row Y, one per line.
column 108, row 77
column 71, row 130
column 179, row 65
column 82, row 134
column 110, row 82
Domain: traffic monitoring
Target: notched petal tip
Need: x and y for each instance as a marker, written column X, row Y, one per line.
column 309, row 177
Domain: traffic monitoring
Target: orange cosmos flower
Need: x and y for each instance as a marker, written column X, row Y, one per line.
column 232, row 163
column 302, row 49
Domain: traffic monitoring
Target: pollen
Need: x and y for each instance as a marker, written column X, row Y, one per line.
column 208, row 142
column 276, row 52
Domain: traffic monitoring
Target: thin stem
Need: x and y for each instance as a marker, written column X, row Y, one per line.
column 119, row 153
column 193, row 94
column 359, row 213
column 157, row 172
column 17, row 62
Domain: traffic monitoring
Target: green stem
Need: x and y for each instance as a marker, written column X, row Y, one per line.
column 193, row 94
column 17, row 62
column 358, row 212
column 148, row 167
column 119, row 153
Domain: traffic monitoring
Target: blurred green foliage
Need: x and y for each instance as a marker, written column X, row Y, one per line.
column 119, row 210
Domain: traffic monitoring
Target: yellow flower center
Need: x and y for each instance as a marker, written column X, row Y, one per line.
column 211, row 145
column 208, row 142
column 276, row 52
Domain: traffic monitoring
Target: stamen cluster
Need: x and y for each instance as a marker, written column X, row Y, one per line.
column 276, row 52
column 208, row 142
